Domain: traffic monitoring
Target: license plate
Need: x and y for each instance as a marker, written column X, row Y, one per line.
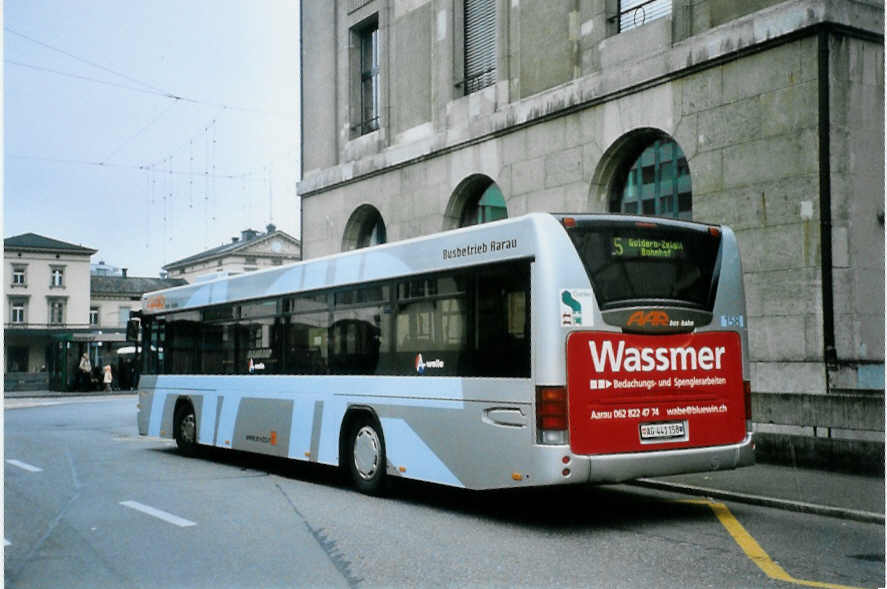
column 663, row 430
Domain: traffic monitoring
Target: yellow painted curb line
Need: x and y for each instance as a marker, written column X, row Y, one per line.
column 754, row 551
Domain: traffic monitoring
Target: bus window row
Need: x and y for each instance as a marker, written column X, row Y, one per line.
column 473, row 322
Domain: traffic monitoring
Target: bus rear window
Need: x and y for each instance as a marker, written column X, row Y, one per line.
column 631, row 263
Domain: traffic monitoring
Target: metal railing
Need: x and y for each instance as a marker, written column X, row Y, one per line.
column 635, row 13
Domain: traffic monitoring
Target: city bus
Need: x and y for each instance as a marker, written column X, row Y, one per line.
column 538, row 350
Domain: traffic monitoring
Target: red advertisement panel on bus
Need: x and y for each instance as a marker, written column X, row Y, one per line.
column 631, row 392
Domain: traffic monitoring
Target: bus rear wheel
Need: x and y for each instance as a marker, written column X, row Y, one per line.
column 185, row 429
column 366, row 460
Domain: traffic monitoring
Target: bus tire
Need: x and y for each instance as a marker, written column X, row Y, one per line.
column 366, row 456
column 185, row 429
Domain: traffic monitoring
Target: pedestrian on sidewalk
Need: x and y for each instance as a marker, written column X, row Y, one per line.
column 85, row 369
column 108, row 378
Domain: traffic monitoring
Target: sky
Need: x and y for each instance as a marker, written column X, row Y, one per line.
column 150, row 130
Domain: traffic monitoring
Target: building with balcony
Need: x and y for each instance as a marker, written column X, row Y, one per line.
column 426, row 115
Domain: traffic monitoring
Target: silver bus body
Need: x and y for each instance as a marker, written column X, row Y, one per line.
column 471, row 432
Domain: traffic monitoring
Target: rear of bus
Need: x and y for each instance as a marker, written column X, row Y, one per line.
column 657, row 381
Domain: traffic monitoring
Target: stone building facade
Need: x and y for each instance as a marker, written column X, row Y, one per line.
column 251, row 251
column 423, row 115
column 114, row 298
column 58, row 306
column 47, row 297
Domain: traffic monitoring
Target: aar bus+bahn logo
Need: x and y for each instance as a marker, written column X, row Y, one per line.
column 649, row 319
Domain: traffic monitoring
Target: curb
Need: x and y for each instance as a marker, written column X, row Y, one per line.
column 797, row 506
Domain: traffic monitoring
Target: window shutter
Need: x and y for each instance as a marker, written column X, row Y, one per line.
column 480, row 44
column 634, row 13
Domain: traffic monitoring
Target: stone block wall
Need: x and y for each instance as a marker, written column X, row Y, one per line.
column 742, row 94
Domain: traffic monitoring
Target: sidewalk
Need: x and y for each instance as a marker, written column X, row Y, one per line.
column 848, row 496
column 59, row 394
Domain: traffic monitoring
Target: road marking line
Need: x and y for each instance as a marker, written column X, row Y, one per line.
column 167, row 517
column 754, row 551
column 25, row 466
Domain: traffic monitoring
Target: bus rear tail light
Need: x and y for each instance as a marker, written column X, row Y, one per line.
column 552, row 419
column 746, row 395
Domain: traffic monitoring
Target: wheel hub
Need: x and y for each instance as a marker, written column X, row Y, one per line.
column 188, row 428
column 366, row 452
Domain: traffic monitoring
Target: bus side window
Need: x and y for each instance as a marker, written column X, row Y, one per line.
column 154, row 353
column 305, row 343
column 182, row 352
column 503, row 342
column 218, row 348
column 431, row 321
column 359, row 334
column 257, row 352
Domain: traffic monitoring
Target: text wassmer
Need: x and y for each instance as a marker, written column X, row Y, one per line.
column 660, row 359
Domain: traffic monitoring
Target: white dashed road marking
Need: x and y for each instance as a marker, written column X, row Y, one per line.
column 24, row 466
column 167, row 517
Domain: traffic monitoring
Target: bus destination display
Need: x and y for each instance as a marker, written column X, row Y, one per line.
column 636, row 247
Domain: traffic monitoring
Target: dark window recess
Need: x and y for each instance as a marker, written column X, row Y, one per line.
column 16, row 359
column 629, row 263
column 368, row 107
column 657, row 183
column 372, row 231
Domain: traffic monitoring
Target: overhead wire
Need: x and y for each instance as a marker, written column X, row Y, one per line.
column 138, row 133
column 75, row 162
column 90, row 79
column 161, row 93
column 147, row 87
column 151, row 170
column 81, row 59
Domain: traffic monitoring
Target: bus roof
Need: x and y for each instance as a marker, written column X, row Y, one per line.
column 503, row 240
column 508, row 239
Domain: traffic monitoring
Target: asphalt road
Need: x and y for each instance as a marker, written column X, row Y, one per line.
column 89, row 503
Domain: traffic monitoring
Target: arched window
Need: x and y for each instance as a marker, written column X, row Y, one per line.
column 364, row 228
column 372, row 232
column 477, row 199
column 657, row 183
column 487, row 206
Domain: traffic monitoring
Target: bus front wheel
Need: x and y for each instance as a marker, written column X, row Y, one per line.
column 366, row 460
column 185, row 429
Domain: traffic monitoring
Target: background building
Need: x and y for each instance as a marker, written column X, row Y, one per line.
column 114, row 295
column 249, row 252
column 56, row 309
column 424, row 115
column 47, row 298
